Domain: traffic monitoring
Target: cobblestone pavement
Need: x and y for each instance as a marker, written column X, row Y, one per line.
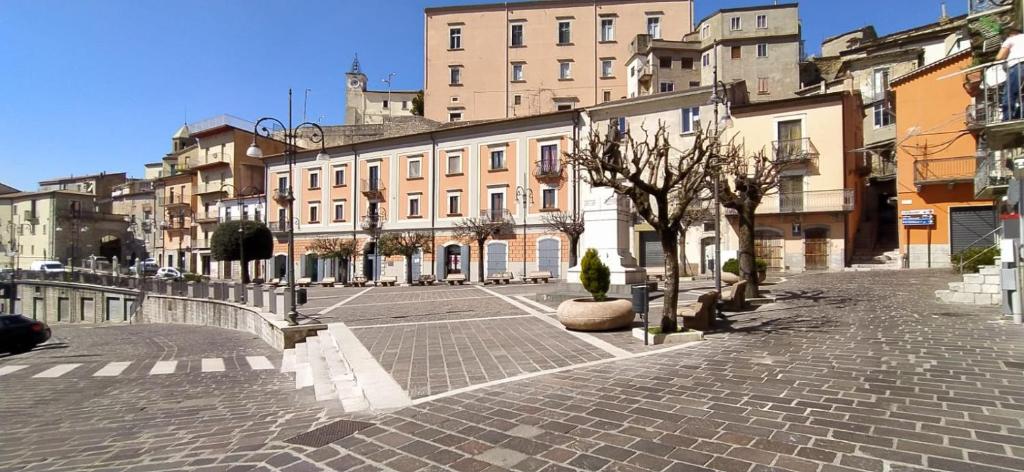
column 849, row 371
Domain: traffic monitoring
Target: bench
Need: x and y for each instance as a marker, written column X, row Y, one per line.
column 453, row 279
column 328, row 282
column 425, row 279
column 537, row 276
column 734, row 298
column 359, row 281
column 499, row 278
column 388, row 281
column 304, row 282
column 699, row 315
column 655, row 274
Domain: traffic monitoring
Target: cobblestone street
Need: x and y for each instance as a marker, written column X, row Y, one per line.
column 848, row 371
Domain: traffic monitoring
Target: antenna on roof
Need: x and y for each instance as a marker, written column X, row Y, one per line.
column 355, row 65
column 943, row 16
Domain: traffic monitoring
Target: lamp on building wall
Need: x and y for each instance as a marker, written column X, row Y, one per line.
column 291, row 136
column 524, row 196
column 374, row 225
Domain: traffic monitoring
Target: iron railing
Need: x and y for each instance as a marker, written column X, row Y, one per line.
column 995, row 102
column 373, row 188
column 946, row 170
column 816, row 201
column 279, row 226
column 793, row 151
column 547, row 168
column 991, row 173
column 496, row 215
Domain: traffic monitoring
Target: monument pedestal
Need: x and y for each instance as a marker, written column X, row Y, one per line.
column 607, row 223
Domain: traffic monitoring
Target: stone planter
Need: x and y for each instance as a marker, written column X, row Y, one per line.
column 762, row 275
column 584, row 314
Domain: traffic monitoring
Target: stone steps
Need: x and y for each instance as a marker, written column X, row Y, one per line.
column 982, row 288
column 318, row 363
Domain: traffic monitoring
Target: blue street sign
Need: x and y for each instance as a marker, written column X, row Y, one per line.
column 918, row 220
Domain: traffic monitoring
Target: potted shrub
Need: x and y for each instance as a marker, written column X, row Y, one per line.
column 598, row 313
column 732, row 266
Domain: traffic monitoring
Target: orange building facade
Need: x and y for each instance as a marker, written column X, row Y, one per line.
column 936, row 166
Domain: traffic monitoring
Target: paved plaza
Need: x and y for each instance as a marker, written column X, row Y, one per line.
column 846, row 372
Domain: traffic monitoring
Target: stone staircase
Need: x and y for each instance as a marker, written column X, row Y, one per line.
column 884, row 260
column 317, row 362
column 982, row 288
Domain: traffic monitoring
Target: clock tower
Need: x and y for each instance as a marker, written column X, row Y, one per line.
column 355, row 97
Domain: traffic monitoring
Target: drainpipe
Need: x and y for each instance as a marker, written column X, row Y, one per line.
column 508, row 33
column 433, row 203
column 355, row 208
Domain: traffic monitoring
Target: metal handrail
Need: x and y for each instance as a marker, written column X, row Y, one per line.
column 990, row 233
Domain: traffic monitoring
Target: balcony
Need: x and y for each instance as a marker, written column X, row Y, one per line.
column 795, row 151
column 818, row 201
column 547, row 169
column 280, row 226
column 982, row 7
column 175, row 225
column 204, row 219
column 874, row 94
column 496, row 215
column 990, row 107
column 374, row 222
column 977, row 115
column 206, row 189
column 944, row 171
column 177, row 201
column 373, row 189
column 992, row 175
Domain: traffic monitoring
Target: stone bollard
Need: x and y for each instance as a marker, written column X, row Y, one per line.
column 237, row 293
column 256, row 296
column 270, row 300
column 193, row 289
column 282, row 295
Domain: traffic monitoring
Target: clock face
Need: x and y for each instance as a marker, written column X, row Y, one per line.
column 354, row 83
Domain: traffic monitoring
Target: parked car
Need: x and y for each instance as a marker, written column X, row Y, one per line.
column 149, row 269
column 20, row 333
column 47, row 266
column 168, row 273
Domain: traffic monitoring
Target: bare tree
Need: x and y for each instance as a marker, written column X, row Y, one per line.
column 693, row 217
column 571, row 225
column 342, row 249
column 660, row 180
column 479, row 230
column 748, row 179
column 405, row 244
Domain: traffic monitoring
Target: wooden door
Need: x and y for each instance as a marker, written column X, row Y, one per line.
column 816, row 249
column 768, row 247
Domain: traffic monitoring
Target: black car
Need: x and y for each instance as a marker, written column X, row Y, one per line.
column 20, row 334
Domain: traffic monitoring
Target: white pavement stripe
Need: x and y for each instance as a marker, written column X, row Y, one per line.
column 416, row 301
column 538, row 305
column 587, row 338
column 8, row 369
column 379, row 387
column 57, row 371
column 112, row 369
column 336, row 305
column 259, row 362
column 213, row 364
column 163, row 367
column 411, row 323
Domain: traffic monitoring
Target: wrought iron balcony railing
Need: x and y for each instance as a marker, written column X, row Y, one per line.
column 795, row 151
column 817, row 201
column 547, row 169
column 992, row 175
column 373, row 189
column 279, row 226
column 496, row 215
column 944, row 171
column 995, row 102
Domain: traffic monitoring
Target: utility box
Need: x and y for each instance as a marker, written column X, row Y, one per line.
column 300, row 296
column 641, row 298
column 1008, row 276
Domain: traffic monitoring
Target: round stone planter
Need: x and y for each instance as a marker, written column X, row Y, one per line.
column 584, row 314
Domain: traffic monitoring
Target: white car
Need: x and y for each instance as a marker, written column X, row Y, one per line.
column 168, row 273
column 47, row 266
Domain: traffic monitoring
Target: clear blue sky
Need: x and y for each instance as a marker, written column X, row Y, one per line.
column 91, row 85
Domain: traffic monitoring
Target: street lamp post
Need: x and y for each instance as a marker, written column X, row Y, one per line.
column 524, row 196
column 717, row 99
column 374, row 224
column 290, row 139
column 75, row 231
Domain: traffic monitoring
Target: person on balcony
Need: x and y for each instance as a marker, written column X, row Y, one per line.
column 1012, row 52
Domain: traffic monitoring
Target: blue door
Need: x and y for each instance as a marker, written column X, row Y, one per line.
column 497, row 258
column 549, row 256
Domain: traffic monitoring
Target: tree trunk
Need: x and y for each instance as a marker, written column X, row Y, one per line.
column 245, row 271
column 408, row 270
column 682, row 244
column 670, row 244
column 480, row 260
column 748, row 267
column 574, row 242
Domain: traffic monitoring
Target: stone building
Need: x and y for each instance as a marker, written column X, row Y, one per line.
column 364, row 106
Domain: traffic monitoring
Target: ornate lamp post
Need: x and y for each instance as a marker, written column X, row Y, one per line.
column 374, row 225
column 719, row 98
column 291, row 136
column 524, row 196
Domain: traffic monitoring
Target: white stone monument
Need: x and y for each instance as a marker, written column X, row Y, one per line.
column 608, row 220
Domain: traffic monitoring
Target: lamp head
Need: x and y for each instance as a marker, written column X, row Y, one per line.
column 323, row 156
column 254, row 150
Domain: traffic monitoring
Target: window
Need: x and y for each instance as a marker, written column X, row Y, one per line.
column 454, row 38
column 762, row 50
column 607, row 95
column 736, row 52
column 686, row 63
column 517, row 34
column 497, row 202
column 339, row 177
column 415, row 170
column 454, row 164
column 883, row 117
column 453, row 204
column 405, row 104
column 414, row 205
column 705, row 59
column 705, row 31
column 314, row 180
column 606, row 68
column 282, row 185
column 517, row 72
column 665, row 62
column 314, row 213
column 879, row 84
column 735, row 23
column 620, row 126
column 607, row 29
column 548, row 198
column 517, row 100
column 762, row 21
column 691, row 119
column 667, row 87
column 564, row 32
column 455, row 75
column 762, row 86
column 549, row 158
column 565, row 70
column 563, row 106
column 339, row 211
column 454, row 116
column 654, row 26
column 386, row 103
column 497, row 159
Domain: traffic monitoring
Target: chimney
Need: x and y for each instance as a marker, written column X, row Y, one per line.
column 943, row 15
